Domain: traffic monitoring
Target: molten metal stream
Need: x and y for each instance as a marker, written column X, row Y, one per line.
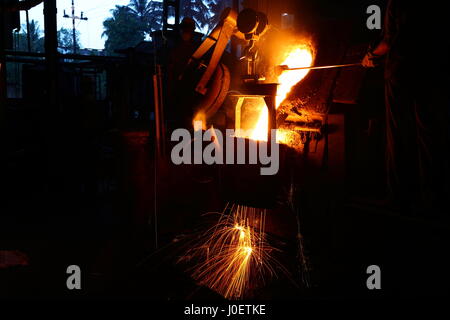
column 300, row 56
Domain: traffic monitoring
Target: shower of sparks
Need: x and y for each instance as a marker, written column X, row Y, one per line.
column 233, row 255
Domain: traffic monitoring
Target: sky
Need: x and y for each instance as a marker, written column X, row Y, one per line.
column 91, row 30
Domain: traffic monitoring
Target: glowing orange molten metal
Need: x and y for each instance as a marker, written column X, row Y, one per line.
column 298, row 57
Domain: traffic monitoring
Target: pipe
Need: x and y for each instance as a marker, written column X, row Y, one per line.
column 280, row 69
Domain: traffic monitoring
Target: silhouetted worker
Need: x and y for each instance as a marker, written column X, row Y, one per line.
column 179, row 94
column 417, row 105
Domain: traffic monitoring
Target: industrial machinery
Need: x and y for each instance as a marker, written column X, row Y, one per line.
column 214, row 77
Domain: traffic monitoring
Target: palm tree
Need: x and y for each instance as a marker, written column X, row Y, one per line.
column 65, row 40
column 197, row 10
column 140, row 7
column 122, row 30
column 36, row 40
column 148, row 12
column 216, row 8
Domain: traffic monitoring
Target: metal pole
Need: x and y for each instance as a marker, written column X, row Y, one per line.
column 74, row 28
column 234, row 45
column 28, row 31
column 157, row 111
column 2, row 66
column 322, row 67
column 51, row 53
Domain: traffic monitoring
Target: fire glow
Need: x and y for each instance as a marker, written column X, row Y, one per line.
column 298, row 57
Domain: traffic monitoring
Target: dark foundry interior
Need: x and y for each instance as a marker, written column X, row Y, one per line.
column 221, row 151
